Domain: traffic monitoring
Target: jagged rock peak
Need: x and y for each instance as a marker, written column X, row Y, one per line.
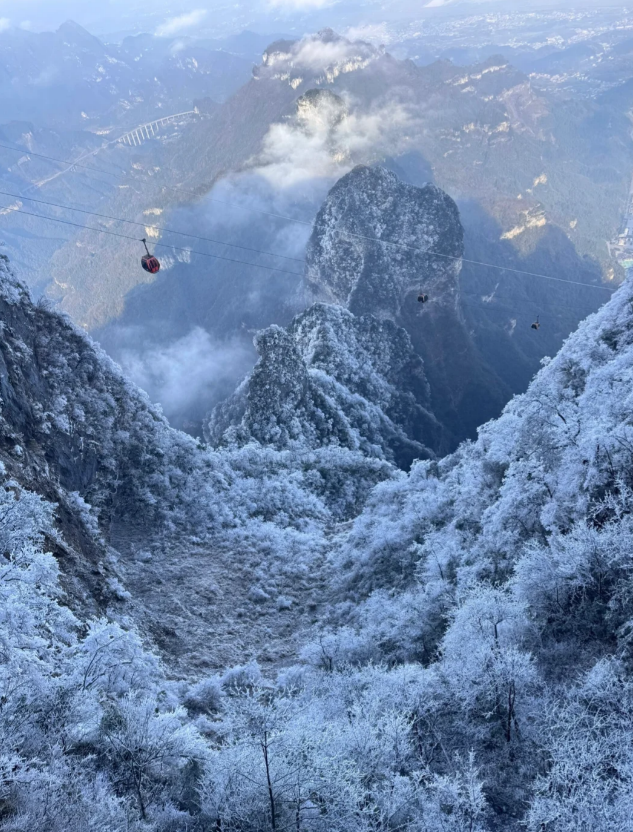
column 75, row 34
column 347, row 265
column 332, row 378
column 318, row 108
column 328, row 35
column 320, row 57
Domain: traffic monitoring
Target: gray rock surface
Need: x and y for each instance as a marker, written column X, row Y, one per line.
column 378, row 243
column 332, row 378
column 346, row 263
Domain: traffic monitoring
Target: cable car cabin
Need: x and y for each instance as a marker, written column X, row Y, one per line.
column 536, row 324
column 150, row 263
column 422, row 298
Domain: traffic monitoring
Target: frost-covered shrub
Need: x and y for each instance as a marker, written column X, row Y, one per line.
column 242, row 678
column 474, row 671
column 205, row 696
column 89, row 735
column 589, row 782
column 335, row 650
column 284, row 603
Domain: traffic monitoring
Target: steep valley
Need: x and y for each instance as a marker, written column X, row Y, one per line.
column 539, row 183
column 363, row 593
column 328, row 525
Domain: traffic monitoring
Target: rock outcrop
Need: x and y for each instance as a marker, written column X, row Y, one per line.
column 369, row 250
column 378, row 243
column 155, row 527
column 332, row 378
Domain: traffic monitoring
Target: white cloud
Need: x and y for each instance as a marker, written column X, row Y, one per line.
column 300, row 5
column 5, row 24
column 177, row 47
column 314, row 54
column 176, row 25
column 187, row 374
column 300, row 160
column 323, row 143
column 328, row 54
column 302, row 157
column 371, row 32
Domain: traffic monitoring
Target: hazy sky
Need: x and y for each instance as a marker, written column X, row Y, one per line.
column 179, row 16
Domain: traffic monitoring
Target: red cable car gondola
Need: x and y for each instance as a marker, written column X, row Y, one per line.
column 150, row 263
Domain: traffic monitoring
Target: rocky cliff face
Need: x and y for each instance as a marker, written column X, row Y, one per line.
column 67, row 409
column 334, row 379
column 197, row 547
column 75, row 431
column 377, row 243
column 319, row 59
column 346, row 263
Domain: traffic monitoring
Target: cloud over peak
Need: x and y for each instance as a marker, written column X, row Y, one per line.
column 176, row 25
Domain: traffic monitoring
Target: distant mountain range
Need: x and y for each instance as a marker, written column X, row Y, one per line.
column 539, row 182
column 70, row 79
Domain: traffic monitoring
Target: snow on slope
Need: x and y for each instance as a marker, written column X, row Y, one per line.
column 203, row 543
column 332, row 379
column 485, row 684
column 505, row 571
column 532, row 473
column 346, row 265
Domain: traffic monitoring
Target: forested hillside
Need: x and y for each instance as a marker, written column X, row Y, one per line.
column 448, row 649
column 320, row 519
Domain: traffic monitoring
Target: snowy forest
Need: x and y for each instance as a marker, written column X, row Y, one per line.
column 347, row 547
column 471, row 671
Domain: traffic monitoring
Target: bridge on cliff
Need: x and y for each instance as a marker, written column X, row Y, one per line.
column 147, row 131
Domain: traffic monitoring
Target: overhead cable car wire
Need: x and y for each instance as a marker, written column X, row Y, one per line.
column 137, row 240
column 64, row 161
column 173, row 188
column 478, row 262
column 289, row 219
column 430, row 252
column 155, row 227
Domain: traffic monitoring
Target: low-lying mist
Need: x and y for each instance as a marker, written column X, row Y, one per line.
column 187, row 376
column 188, row 338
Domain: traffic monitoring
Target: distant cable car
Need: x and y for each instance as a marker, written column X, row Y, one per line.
column 422, row 298
column 150, row 263
column 536, row 324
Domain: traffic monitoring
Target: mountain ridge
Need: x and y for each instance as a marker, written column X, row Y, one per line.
column 502, row 567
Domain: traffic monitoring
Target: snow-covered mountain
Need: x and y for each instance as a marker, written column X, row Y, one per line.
column 139, row 501
column 318, row 619
column 377, row 244
column 368, row 249
column 315, row 108
column 469, row 655
column 334, row 379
